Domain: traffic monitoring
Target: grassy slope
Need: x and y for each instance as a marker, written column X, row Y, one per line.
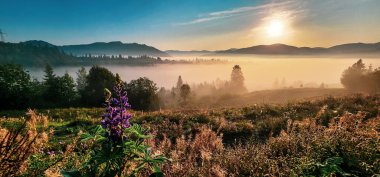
column 292, row 95
column 257, row 127
column 280, row 96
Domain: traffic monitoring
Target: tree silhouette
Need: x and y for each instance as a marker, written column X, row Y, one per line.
column 81, row 79
column 15, row 87
column 49, row 73
column 50, row 84
column 354, row 78
column 237, row 80
column 185, row 91
column 58, row 91
column 142, row 94
column 66, row 90
column 98, row 79
column 179, row 82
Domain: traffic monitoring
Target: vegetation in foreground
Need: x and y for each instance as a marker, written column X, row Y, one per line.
column 334, row 136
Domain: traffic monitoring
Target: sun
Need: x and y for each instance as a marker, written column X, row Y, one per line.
column 275, row 28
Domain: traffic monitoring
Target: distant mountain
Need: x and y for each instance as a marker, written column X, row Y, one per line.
column 274, row 49
column 113, row 48
column 282, row 49
column 39, row 53
column 33, row 53
column 38, row 43
column 356, row 48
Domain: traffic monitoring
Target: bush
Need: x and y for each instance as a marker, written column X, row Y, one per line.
column 142, row 94
column 98, row 79
column 15, row 87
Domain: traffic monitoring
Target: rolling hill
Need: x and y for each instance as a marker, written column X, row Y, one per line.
column 282, row 49
column 113, row 48
column 39, row 53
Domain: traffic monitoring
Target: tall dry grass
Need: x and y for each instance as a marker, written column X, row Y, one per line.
column 298, row 150
column 17, row 144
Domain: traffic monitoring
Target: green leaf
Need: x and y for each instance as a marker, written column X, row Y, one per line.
column 85, row 137
column 156, row 168
column 72, row 173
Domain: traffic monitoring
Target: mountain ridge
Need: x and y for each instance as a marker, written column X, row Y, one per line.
column 103, row 48
column 136, row 49
column 114, row 48
column 284, row 49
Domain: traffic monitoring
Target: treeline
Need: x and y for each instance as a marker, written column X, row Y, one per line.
column 360, row 78
column 19, row 91
column 33, row 55
column 143, row 60
column 27, row 54
column 195, row 95
column 40, row 54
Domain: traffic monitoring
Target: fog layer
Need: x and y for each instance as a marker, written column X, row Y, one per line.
column 260, row 72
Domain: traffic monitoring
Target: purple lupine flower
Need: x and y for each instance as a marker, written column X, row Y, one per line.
column 116, row 118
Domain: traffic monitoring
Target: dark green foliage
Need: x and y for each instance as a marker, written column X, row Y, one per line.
column 81, row 79
column 32, row 55
column 59, row 91
column 15, row 87
column 50, row 83
column 329, row 167
column 67, row 90
column 18, row 91
column 142, row 94
column 109, row 158
column 98, row 79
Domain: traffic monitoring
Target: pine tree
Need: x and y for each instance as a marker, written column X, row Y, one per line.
column 179, row 82
column 81, row 79
column 237, row 80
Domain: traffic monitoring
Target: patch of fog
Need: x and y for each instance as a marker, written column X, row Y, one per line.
column 260, row 72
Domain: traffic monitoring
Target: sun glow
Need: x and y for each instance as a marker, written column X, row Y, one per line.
column 275, row 28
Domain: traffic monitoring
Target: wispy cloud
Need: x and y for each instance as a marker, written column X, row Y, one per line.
column 235, row 12
column 201, row 20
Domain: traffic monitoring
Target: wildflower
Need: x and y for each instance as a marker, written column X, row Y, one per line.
column 116, row 118
column 41, row 150
column 51, row 153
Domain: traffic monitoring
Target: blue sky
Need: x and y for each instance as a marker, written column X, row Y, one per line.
column 191, row 24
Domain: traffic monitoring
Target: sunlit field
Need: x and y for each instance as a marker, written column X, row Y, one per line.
column 332, row 135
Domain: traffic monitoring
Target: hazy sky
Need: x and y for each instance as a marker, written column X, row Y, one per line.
column 193, row 24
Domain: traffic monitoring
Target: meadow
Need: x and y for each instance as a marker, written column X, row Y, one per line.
column 330, row 136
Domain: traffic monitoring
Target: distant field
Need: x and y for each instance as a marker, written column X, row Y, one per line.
column 280, row 96
column 290, row 95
